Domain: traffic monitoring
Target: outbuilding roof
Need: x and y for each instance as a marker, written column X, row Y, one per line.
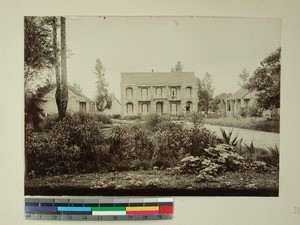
column 242, row 93
column 70, row 88
column 158, row 78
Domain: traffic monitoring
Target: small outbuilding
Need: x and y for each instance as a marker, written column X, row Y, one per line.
column 77, row 102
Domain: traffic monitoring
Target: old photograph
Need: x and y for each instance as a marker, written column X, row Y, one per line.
column 151, row 106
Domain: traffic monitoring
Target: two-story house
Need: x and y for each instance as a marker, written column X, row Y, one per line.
column 155, row 92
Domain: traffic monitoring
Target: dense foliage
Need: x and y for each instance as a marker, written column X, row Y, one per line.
column 81, row 143
column 266, row 81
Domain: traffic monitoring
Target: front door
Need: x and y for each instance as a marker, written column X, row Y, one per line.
column 159, row 108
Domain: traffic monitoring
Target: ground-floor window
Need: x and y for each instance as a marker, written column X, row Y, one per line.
column 189, row 106
column 173, row 107
column 144, row 108
column 82, row 107
column 129, row 109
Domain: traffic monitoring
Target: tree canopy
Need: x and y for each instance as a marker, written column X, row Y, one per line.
column 266, row 81
column 178, row 67
column 38, row 46
column 103, row 99
column 243, row 78
column 205, row 93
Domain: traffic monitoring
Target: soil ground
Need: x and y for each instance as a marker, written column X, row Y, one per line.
column 152, row 182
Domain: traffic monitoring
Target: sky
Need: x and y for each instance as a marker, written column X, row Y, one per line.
column 222, row 47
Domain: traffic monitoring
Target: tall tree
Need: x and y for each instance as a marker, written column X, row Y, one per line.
column 266, row 81
column 103, row 99
column 205, row 93
column 38, row 47
column 64, row 80
column 178, row 67
column 38, row 58
column 243, row 78
column 58, row 97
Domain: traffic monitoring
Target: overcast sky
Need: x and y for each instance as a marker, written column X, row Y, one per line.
column 219, row 46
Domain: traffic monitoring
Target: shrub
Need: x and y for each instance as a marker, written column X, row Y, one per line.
column 142, row 148
column 196, row 118
column 199, row 139
column 274, row 152
column 103, row 118
column 254, row 111
column 243, row 112
column 118, row 141
column 49, row 121
column 72, row 145
column 153, row 121
column 42, row 157
column 251, row 150
column 170, row 140
column 116, row 116
column 227, row 138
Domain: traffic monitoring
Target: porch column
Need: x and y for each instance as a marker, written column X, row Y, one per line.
column 242, row 102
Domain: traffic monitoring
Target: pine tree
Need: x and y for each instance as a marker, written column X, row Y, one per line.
column 103, row 99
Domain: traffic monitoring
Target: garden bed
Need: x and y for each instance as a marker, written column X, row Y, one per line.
column 155, row 182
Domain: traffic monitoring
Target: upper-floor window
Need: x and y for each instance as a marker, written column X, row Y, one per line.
column 159, row 92
column 188, row 91
column 144, row 93
column 129, row 93
column 173, row 92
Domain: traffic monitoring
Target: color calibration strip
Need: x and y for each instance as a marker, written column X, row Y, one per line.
column 103, row 208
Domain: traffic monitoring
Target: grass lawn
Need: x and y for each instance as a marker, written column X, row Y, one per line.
column 252, row 123
column 151, row 183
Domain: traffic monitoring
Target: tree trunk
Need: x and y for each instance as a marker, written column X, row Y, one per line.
column 64, row 83
column 57, row 68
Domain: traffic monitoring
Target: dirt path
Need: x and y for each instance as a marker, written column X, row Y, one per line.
column 260, row 139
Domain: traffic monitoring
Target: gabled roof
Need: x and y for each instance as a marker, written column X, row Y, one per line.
column 73, row 90
column 158, row 77
column 79, row 93
column 242, row 93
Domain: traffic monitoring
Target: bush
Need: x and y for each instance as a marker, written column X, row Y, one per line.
column 72, row 145
column 171, row 141
column 254, row 111
column 153, row 121
column 243, row 112
column 43, row 158
column 118, row 140
column 196, row 118
column 228, row 138
column 101, row 117
column 142, row 148
column 116, row 116
column 199, row 139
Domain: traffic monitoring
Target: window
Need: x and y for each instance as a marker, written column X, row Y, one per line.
column 173, row 92
column 129, row 92
column 129, row 108
column 82, row 106
column 173, row 108
column 158, row 92
column 144, row 108
column 188, row 91
column 144, row 92
column 189, row 106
